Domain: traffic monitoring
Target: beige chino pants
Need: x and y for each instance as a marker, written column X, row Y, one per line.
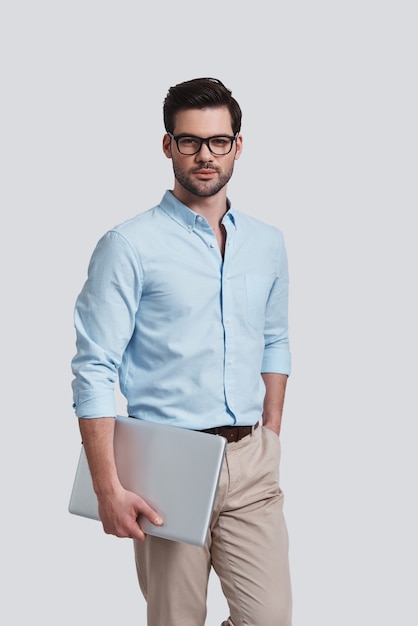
column 247, row 546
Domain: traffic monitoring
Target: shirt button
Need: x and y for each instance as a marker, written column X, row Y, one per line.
column 230, row 362
column 190, row 227
column 199, row 218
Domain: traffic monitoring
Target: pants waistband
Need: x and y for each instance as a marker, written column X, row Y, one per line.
column 232, row 433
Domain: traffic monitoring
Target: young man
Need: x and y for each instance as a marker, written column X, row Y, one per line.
column 187, row 304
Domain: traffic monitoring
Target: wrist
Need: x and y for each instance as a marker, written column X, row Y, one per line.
column 273, row 425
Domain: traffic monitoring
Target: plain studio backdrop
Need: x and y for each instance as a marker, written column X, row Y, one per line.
column 329, row 97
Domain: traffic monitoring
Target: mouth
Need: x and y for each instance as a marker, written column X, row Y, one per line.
column 205, row 171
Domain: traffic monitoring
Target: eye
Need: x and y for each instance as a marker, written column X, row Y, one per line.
column 220, row 142
column 188, row 142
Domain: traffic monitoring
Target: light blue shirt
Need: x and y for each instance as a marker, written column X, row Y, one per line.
column 187, row 333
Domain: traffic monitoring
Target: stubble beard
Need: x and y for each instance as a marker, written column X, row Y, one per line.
column 204, row 188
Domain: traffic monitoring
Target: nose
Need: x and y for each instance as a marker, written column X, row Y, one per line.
column 204, row 153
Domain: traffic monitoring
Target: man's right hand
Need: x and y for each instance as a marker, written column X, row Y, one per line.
column 119, row 514
column 119, row 509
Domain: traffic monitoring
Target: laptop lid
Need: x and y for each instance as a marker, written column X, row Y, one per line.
column 175, row 470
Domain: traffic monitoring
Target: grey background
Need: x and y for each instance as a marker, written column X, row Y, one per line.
column 329, row 95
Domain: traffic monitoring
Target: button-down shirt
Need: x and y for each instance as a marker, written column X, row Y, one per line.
column 187, row 332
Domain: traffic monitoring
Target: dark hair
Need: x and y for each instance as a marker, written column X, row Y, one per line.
column 200, row 93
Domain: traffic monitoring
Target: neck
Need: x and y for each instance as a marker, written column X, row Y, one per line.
column 213, row 208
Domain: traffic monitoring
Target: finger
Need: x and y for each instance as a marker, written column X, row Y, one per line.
column 137, row 533
column 151, row 515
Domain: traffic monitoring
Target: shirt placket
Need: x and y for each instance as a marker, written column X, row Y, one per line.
column 205, row 232
column 227, row 309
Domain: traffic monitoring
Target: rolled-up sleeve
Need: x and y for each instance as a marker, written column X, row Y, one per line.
column 277, row 356
column 104, row 320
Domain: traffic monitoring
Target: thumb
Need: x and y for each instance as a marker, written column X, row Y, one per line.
column 151, row 515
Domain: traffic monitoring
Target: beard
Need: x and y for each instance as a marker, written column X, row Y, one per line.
column 202, row 188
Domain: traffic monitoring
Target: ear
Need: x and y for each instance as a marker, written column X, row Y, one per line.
column 238, row 148
column 167, row 146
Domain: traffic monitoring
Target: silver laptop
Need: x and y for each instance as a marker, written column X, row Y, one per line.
column 175, row 470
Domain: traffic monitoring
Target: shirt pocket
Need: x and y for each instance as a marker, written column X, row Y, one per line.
column 257, row 287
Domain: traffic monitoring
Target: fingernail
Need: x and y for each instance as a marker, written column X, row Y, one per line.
column 158, row 520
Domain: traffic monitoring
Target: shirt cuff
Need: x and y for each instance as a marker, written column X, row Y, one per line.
column 88, row 405
column 276, row 363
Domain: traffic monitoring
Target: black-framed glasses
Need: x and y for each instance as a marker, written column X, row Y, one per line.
column 219, row 145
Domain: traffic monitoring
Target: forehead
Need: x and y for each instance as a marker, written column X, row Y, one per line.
column 203, row 122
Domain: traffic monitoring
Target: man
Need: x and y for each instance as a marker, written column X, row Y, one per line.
column 186, row 304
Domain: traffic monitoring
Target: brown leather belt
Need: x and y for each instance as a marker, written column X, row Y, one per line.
column 231, row 433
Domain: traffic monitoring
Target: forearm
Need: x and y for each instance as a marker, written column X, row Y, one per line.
column 274, row 400
column 97, row 436
column 119, row 509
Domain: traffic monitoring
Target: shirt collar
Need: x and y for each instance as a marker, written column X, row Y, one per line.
column 184, row 216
